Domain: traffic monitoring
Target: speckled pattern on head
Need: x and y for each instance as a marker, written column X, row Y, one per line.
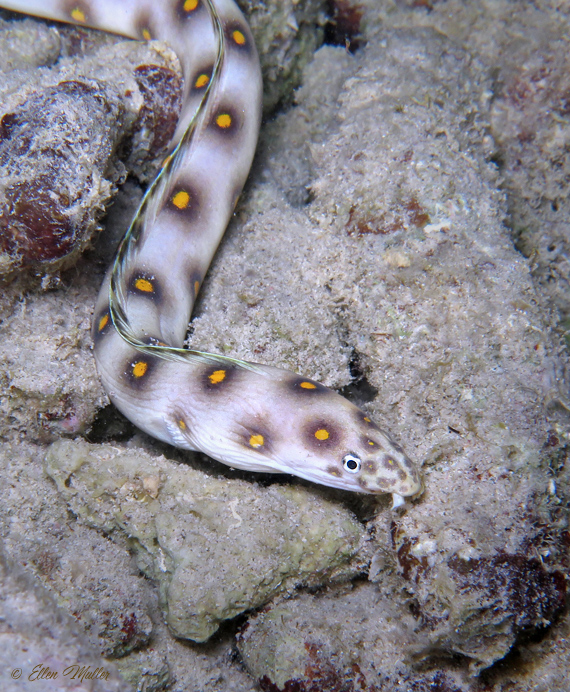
column 246, row 415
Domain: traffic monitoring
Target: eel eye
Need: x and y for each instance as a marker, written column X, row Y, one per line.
column 351, row 463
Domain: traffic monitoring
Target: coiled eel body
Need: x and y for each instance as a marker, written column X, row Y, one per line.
column 249, row 416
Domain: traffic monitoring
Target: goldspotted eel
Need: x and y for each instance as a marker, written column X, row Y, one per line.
column 246, row 415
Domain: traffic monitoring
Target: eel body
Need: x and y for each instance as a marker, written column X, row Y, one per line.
column 249, row 416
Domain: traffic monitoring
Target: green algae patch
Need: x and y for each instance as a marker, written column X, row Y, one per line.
column 216, row 547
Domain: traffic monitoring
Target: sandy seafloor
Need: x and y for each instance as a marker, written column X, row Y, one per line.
column 403, row 238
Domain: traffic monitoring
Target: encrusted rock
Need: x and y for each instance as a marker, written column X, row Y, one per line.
column 70, row 131
column 41, row 646
column 350, row 640
column 216, row 547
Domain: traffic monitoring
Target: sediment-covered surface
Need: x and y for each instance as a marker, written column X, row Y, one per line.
column 373, row 250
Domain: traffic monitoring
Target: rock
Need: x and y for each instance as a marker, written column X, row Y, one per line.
column 60, row 131
column 88, row 576
column 216, row 547
column 41, row 646
column 146, row 670
column 286, row 34
column 350, row 640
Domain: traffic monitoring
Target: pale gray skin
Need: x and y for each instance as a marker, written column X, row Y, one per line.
column 246, row 415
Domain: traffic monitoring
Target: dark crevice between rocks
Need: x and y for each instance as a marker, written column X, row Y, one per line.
column 522, row 656
column 359, row 391
column 343, row 27
column 110, row 426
